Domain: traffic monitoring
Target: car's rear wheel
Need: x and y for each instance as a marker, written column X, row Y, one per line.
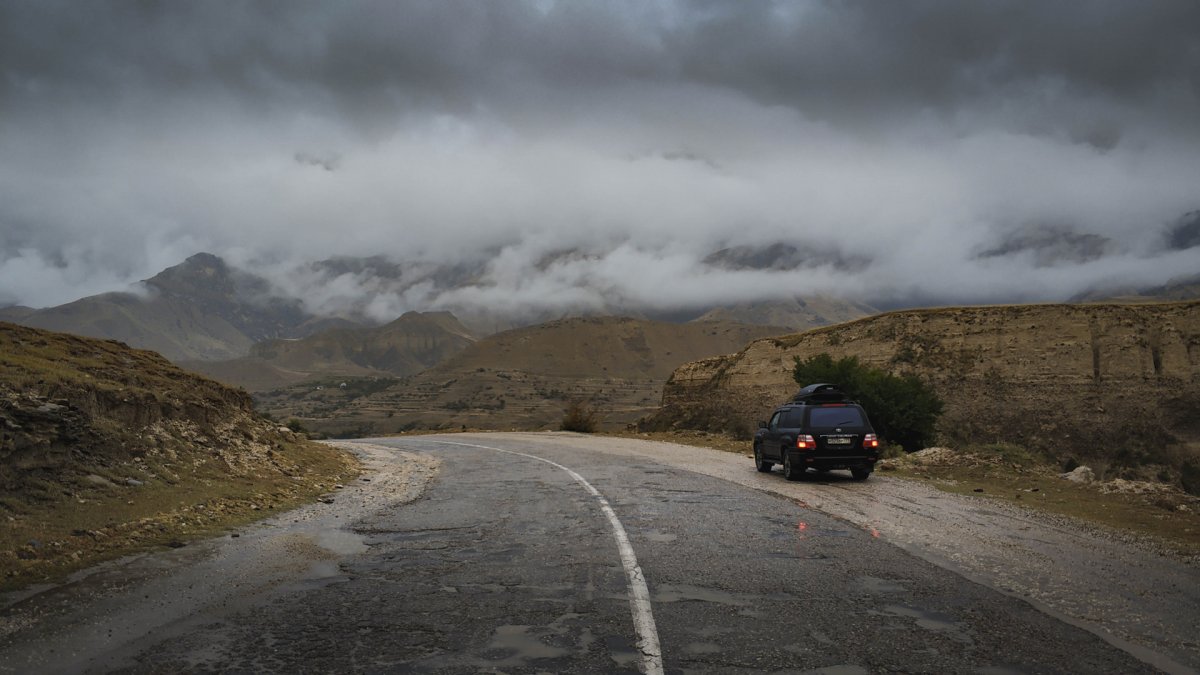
column 860, row 474
column 791, row 470
column 760, row 463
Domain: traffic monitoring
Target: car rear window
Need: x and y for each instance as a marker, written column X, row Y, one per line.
column 792, row 419
column 836, row 417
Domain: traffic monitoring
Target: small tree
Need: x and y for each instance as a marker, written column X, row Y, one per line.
column 579, row 416
column 903, row 409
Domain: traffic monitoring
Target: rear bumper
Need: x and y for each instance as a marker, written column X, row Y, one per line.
column 818, row 461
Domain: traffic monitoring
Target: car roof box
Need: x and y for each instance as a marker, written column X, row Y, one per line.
column 820, row 393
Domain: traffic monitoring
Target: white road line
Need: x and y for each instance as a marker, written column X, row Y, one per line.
column 639, row 594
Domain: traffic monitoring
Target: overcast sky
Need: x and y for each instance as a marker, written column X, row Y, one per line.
column 910, row 151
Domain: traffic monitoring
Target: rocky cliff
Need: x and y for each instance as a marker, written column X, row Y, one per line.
column 1114, row 384
column 103, row 447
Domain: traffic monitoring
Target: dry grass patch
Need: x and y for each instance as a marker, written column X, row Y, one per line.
column 1011, row 474
column 119, row 510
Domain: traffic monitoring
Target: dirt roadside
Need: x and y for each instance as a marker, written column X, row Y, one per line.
column 1121, row 589
column 108, row 610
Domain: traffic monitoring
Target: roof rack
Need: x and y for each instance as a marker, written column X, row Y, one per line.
column 820, row 393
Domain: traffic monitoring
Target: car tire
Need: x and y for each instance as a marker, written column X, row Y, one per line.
column 790, row 470
column 860, row 474
column 759, row 463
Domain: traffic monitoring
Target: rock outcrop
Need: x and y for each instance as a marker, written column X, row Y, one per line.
column 1114, row 382
column 105, row 450
column 70, row 405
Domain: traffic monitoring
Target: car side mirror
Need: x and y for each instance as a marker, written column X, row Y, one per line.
column 762, row 424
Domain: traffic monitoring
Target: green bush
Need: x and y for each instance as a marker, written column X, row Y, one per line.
column 903, row 409
column 579, row 416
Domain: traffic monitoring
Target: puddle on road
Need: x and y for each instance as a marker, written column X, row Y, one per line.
column 840, row 669
column 520, row 646
column 876, row 585
column 675, row 593
column 701, row 648
column 794, row 556
column 622, row 651
column 929, row 620
column 341, row 542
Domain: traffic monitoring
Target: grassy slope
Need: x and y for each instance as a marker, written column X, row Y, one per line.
column 108, row 450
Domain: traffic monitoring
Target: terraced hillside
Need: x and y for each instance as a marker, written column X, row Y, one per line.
column 520, row 379
column 1116, row 385
column 408, row 345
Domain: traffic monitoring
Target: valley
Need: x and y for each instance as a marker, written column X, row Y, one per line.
column 519, row 379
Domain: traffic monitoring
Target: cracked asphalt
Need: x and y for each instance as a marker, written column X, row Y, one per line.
column 477, row 560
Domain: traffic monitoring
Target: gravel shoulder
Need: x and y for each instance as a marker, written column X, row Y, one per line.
column 105, row 613
column 1138, row 600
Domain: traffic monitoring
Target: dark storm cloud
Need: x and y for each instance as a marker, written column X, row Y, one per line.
column 1005, row 150
column 940, row 55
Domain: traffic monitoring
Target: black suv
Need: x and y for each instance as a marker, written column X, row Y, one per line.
column 820, row 428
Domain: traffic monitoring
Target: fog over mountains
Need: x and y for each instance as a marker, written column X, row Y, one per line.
column 541, row 157
column 207, row 309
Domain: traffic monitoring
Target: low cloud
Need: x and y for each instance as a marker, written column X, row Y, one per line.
column 543, row 155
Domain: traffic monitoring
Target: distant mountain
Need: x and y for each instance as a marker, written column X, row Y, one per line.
column 523, row 378
column 1050, row 245
column 15, row 313
column 1187, row 288
column 780, row 256
column 408, row 345
column 207, row 310
column 795, row 313
column 199, row 309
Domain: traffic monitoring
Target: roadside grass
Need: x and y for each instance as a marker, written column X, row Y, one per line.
column 700, row 439
column 1149, row 509
column 1014, row 475
column 55, row 529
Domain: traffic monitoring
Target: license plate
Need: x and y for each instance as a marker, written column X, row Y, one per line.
column 838, row 441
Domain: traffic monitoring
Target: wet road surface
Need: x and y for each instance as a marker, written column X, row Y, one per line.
column 508, row 564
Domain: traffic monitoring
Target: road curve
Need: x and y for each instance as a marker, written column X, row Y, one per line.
column 507, row 562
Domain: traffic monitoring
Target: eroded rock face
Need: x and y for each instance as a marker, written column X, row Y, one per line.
column 1120, row 381
column 69, row 402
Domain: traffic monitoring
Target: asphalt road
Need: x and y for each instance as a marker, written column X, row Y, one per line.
column 511, row 563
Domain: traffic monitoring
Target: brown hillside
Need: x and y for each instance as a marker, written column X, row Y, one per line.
column 102, row 445
column 796, row 313
column 523, row 378
column 1117, row 385
column 408, row 345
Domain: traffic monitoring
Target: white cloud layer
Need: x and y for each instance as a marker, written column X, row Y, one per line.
column 595, row 154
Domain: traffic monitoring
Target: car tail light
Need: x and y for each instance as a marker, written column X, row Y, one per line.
column 870, row 441
column 805, row 442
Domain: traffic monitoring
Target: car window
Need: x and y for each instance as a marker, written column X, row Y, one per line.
column 836, row 417
column 793, row 419
column 774, row 424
